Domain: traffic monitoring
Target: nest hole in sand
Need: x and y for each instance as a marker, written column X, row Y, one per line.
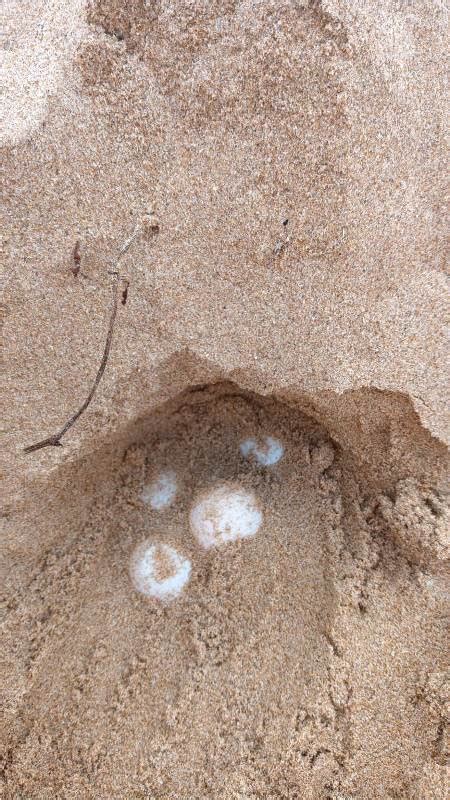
column 286, row 629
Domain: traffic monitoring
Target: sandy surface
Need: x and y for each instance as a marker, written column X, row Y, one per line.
column 307, row 661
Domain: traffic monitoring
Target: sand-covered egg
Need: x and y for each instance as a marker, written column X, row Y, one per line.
column 161, row 492
column 159, row 571
column 225, row 513
column 265, row 451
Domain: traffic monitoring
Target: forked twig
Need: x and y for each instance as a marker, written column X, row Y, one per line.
column 55, row 440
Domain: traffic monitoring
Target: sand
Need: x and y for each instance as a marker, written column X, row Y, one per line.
column 282, row 164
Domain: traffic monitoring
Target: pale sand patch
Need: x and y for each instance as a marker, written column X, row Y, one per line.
column 38, row 45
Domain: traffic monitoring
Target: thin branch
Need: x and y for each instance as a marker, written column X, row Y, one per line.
column 55, row 440
column 75, row 268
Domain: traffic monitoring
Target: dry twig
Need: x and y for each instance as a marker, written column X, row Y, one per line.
column 75, row 268
column 55, row 440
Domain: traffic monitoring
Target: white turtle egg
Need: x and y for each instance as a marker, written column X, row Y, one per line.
column 159, row 571
column 161, row 492
column 224, row 514
column 266, row 451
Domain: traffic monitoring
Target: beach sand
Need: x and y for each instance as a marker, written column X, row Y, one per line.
column 282, row 166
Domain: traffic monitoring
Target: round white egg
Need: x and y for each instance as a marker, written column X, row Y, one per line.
column 266, row 451
column 161, row 493
column 159, row 571
column 225, row 513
